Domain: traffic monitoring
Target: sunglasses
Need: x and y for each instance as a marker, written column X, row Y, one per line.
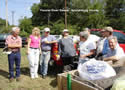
column 47, row 32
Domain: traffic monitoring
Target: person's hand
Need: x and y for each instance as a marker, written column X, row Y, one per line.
column 40, row 52
column 82, row 56
column 27, row 52
column 47, row 42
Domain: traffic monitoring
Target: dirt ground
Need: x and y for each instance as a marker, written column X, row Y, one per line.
column 26, row 83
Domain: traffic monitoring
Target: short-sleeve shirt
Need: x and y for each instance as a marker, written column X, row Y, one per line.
column 34, row 41
column 66, row 47
column 14, row 40
column 45, row 46
column 105, row 47
column 93, row 38
column 86, row 47
column 100, row 44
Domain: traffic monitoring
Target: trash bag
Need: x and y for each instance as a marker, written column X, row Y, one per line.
column 94, row 70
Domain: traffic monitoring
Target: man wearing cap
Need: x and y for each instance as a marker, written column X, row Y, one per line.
column 66, row 49
column 14, row 43
column 46, row 42
column 107, row 32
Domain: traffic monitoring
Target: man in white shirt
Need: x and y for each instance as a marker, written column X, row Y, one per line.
column 91, row 37
column 115, row 52
column 87, row 48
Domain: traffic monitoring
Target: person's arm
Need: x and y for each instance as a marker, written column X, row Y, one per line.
column 28, row 45
column 112, row 58
column 53, row 40
column 40, row 46
column 17, row 45
column 89, row 54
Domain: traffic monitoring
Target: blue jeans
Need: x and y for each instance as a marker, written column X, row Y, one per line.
column 14, row 57
column 45, row 57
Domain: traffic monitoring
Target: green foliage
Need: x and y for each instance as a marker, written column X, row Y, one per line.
column 3, row 28
column 26, row 26
column 114, row 11
column 110, row 13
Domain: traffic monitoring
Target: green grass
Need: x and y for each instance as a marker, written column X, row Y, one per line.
column 26, row 82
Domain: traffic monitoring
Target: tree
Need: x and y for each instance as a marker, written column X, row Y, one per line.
column 41, row 17
column 92, row 15
column 3, row 28
column 115, row 13
column 26, row 26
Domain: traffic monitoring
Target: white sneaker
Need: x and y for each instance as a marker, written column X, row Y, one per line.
column 32, row 77
column 36, row 76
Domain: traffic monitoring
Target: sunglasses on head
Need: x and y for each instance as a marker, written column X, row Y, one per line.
column 46, row 32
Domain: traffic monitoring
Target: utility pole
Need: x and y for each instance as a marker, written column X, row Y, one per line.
column 65, row 14
column 13, row 12
column 6, row 13
column 49, row 14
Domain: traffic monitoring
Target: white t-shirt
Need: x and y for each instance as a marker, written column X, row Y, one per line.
column 100, row 44
column 93, row 38
column 86, row 47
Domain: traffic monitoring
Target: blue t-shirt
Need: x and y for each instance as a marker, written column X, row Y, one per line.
column 45, row 46
column 105, row 47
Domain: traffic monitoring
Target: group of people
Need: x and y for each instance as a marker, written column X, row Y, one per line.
column 39, row 49
column 105, row 48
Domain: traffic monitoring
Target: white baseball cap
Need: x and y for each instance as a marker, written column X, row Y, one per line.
column 46, row 29
column 65, row 30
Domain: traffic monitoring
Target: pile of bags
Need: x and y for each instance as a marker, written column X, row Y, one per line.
column 95, row 70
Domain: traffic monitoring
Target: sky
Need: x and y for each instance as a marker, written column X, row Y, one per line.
column 21, row 9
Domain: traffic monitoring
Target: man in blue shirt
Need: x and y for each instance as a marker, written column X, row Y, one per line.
column 107, row 32
column 46, row 42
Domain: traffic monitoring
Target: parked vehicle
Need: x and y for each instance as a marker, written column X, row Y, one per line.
column 2, row 39
column 119, row 34
column 4, row 36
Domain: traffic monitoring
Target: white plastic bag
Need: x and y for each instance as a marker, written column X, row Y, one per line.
column 93, row 70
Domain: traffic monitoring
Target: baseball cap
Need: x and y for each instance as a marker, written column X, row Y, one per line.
column 109, row 29
column 46, row 29
column 65, row 30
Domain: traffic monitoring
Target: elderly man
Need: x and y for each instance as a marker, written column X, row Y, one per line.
column 14, row 43
column 46, row 42
column 115, row 52
column 87, row 47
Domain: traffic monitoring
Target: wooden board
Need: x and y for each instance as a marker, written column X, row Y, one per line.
column 76, row 85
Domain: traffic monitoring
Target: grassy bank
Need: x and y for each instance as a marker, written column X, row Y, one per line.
column 26, row 82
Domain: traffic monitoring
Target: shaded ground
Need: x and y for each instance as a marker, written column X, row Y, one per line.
column 50, row 83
